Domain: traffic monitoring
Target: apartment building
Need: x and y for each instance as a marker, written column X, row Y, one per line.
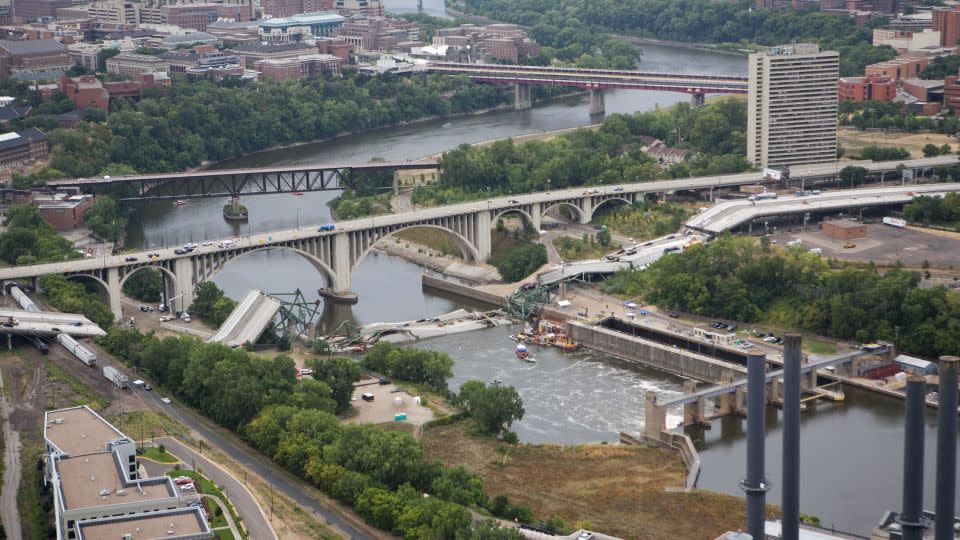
column 792, row 105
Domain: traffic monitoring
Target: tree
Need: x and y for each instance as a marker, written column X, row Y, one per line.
column 105, row 220
column 603, row 237
column 339, row 374
column 493, row 408
column 930, row 150
column 144, row 284
column 853, row 174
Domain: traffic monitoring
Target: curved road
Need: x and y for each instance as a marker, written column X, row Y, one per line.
column 269, row 473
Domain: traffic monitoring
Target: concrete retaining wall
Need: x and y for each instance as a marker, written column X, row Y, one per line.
column 467, row 291
column 651, row 353
column 676, row 442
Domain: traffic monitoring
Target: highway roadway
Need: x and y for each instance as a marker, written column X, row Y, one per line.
column 271, row 473
column 265, row 239
column 248, row 320
column 47, row 323
column 730, row 214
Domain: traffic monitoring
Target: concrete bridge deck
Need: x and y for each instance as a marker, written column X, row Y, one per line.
column 248, row 320
column 48, row 323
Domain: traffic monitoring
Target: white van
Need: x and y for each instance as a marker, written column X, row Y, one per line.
column 227, row 244
column 185, row 317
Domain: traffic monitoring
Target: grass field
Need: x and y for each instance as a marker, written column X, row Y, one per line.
column 575, row 249
column 146, row 424
column 155, row 454
column 620, row 489
column 854, row 140
column 434, row 239
column 70, row 392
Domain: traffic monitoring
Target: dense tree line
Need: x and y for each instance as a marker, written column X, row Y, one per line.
column 559, row 22
column 715, row 134
column 884, row 153
column 191, row 122
column 144, row 285
column 105, row 219
column 738, row 279
column 72, row 297
column 430, row 368
column 891, row 116
column 941, row 66
column 383, row 474
column 520, row 261
column 928, row 210
column 29, row 239
column 210, row 304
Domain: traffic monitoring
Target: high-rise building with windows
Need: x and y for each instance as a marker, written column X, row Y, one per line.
column 792, row 106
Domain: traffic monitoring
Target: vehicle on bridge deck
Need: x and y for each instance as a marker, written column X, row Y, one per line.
column 327, row 227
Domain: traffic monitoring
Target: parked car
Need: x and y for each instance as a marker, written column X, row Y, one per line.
column 130, row 259
column 367, row 397
column 327, row 227
column 618, row 188
column 207, row 243
column 153, row 256
column 180, row 251
column 190, row 247
column 146, row 386
column 585, row 535
column 165, row 400
column 513, row 201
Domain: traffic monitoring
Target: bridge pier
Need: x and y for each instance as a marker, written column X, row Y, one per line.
column 697, row 99
column 596, row 101
column 339, row 291
column 521, row 97
column 114, row 292
column 694, row 413
column 654, row 416
column 726, row 403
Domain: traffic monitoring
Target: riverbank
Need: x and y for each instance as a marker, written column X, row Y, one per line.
column 711, row 47
column 542, row 136
column 620, row 490
column 434, row 260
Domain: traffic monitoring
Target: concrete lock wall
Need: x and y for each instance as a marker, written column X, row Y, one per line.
column 637, row 349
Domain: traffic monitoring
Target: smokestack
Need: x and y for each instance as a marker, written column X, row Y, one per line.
column 792, row 357
column 755, row 485
column 946, row 448
column 913, row 460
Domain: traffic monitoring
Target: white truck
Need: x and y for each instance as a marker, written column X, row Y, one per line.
column 762, row 196
column 116, row 377
column 895, row 222
column 84, row 354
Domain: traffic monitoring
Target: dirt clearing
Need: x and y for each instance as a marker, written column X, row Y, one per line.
column 855, row 140
column 620, row 489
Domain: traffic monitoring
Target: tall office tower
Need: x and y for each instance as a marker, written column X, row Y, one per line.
column 792, row 106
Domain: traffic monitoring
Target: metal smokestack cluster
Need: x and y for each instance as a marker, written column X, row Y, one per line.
column 792, row 356
column 755, row 485
column 910, row 517
column 946, row 449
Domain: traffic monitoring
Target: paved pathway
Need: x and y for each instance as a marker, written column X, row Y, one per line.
column 226, row 514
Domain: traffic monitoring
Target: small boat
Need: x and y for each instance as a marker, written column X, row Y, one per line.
column 514, row 337
column 523, row 353
column 495, row 381
column 297, row 193
column 180, row 202
column 446, row 125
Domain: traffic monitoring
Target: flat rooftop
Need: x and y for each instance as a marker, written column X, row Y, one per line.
column 79, row 430
column 844, row 223
column 83, row 478
column 179, row 523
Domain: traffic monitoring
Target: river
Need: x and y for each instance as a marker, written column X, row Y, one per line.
column 852, row 452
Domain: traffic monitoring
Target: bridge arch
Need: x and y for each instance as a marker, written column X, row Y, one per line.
column 329, row 275
column 163, row 270
column 600, row 204
column 104, row 286
column 564, row 204
column 469, row 251
column 500, row 213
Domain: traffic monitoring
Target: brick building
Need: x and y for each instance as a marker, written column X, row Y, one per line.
column 198, row 16
column 306, row 66
column 904, row 67
column 85, row 91
column 924, row 89
column 951, row 93
column 870, row 87
column 843, row 229
column 33, row 10
column 335, row 46
column 21, row 148
column 500, row 41
column 63, row 211
column 946, row 20
column 33, row 60
column 252, row 53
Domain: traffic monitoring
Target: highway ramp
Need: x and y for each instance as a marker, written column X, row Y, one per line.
column 46, row 323
column 248, row 320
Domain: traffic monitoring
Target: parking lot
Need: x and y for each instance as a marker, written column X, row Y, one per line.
column 384, row 405
column 885, row 245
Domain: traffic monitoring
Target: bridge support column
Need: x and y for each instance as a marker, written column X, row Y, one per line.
column 536, row 214
column 596, row 101
column 740, row 401
column 586, row 210
column 521, row 97
column 693, row 413
column 113, row 292
column 235, row 202
column 183, row 270
column 481, row 235
column 655, row 416
column 697, row 99
column 726, row 403
column 340, row 291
